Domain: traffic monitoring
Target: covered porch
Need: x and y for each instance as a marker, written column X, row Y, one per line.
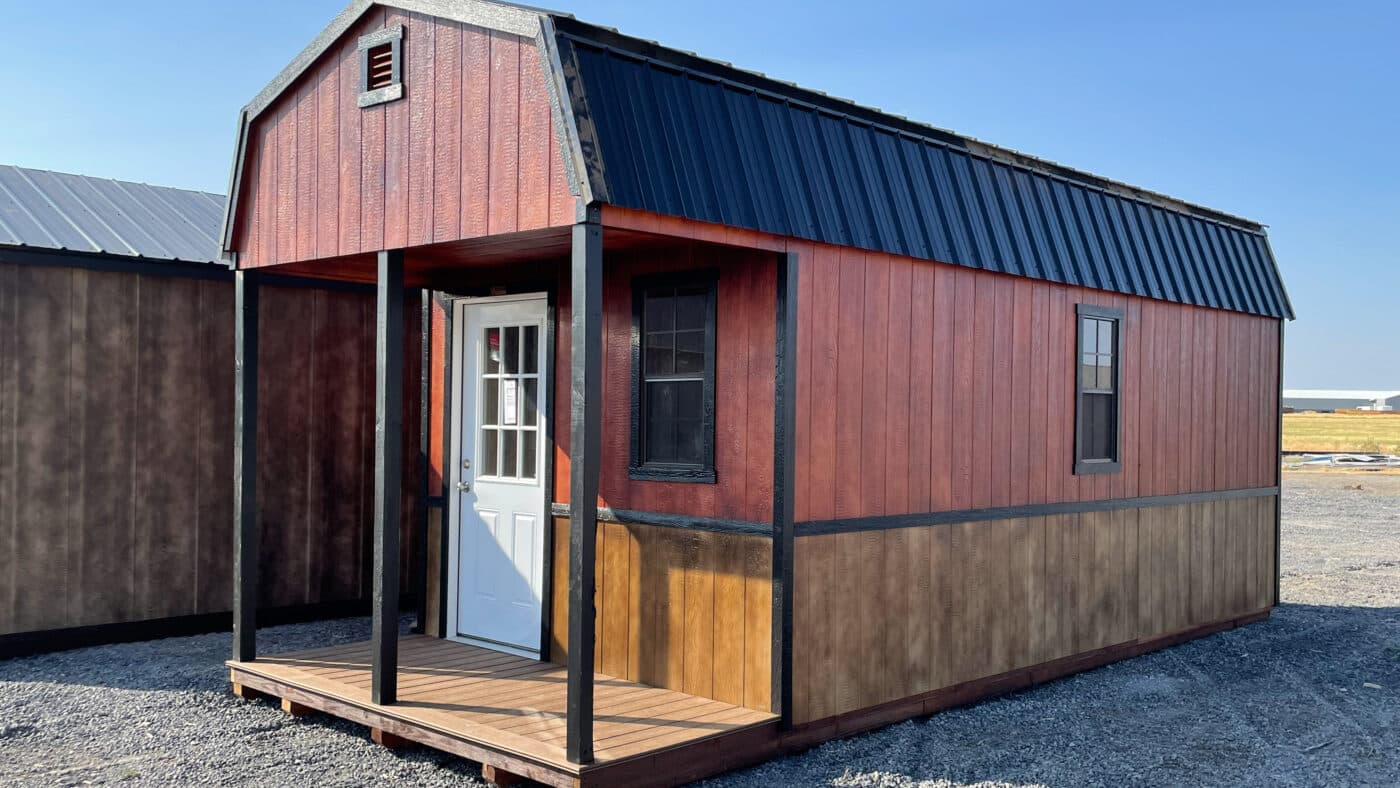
column 573, row 720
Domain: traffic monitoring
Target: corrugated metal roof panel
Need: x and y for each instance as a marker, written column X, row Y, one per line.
column 715, row 144
column 54, row 210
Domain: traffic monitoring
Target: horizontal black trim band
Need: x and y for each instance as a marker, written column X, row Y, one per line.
column 663, row 520
column 217, row 272
column 42, row 641
column 885, row 522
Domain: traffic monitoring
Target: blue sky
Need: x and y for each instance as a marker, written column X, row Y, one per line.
column 1284, row 112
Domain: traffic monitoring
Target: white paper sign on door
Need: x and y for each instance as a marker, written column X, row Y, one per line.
column 508, row 406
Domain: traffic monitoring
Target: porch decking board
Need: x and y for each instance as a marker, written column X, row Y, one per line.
column 506, row 711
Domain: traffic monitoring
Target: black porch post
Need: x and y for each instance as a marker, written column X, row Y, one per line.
column 784, row 436
column 245, row 466
column 585, row 424
column 388, row 475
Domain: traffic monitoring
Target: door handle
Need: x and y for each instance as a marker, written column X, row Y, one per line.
column 464, row 487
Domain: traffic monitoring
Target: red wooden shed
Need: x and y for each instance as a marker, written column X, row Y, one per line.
column 756, row 417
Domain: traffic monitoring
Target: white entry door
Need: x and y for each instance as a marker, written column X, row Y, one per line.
column 498, row 508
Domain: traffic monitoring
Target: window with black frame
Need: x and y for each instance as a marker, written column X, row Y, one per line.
column 673, row 378
column 1098, row 389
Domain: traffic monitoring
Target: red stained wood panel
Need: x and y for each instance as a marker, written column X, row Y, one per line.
column 939, row 388
column 470, row 150
column 744, row 370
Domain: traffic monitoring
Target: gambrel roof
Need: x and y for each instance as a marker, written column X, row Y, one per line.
column 647, row 127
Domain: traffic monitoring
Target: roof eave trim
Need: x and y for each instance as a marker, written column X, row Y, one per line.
column 584, row 159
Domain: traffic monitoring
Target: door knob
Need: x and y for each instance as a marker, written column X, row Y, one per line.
column 464, row 487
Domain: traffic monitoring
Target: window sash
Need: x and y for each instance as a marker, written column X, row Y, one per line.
column 658, row 347
column 1098, row 439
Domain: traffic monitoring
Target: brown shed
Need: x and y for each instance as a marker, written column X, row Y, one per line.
column 755, row 417
column 116, row 421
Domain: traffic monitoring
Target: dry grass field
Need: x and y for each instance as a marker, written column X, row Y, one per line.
column 1345, row 432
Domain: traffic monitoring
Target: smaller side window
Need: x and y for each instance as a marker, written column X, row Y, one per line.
column 673, row 378
column 381, row 66
column 1098, row 389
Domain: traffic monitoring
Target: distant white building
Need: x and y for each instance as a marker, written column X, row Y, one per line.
column 1338, row 399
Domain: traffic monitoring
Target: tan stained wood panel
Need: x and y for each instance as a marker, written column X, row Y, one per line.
column 508, row 702
column 682, row 609
column 976, row 600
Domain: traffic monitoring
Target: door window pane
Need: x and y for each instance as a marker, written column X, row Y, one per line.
column 489, row 450
column 493, row 351
column 509, row 440
column 531, row 360
column 528, row 440
column 510, row 350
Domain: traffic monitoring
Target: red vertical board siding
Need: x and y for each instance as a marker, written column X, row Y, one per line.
column 420, row 73
column 346, row 129
column 965, row 435
column 504, row 171
column 918, row 377
column 940, row 379
column 1023, row 311
column 447, row 130
column 327, row 144
column 873, row 438
column 972, row 403
column 802, row 387
column 1039, row 396
column 822, row 316
column 469, row 150
column 850, row 344
column 743, row 386
column 476, row 130
column 306, row 175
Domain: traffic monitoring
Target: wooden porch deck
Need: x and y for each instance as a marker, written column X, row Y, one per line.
column 507, row 712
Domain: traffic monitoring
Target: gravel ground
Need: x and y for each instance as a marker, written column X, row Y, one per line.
column 1310, row 697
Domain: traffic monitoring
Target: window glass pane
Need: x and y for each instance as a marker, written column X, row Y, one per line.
column 690, row 399
column 690, row 352
column 690, row 309
column 490, row 401
column 1105, row 375
column 1087, row 375
column 493, row 351
column 488, row 452
column 660, row 360
column 508, row 459
column 1089, row 334
column 690, row 445
column 532, row 350
column 510, row 350
column 658, row 311
column 1105, row 336
column 528, row 440
column 661, row 399
column 1096, row 426
column 528, row 413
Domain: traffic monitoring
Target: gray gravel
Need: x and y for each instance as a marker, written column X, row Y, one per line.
column 1284, row 702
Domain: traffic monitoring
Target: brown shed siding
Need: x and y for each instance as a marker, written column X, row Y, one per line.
column 470, row 149
column 116, row 446
column 886, row 615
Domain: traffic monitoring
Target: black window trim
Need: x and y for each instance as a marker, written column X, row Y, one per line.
column 394, row 90
column 636, row 469
column 1083, row 467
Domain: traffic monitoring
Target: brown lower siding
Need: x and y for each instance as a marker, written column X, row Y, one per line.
column 677, row 608
column 885, row 616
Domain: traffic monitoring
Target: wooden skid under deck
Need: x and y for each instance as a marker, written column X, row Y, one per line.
column 508, row 712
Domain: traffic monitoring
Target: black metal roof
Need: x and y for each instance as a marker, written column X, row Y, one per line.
column 669, row 132
column 649, row 127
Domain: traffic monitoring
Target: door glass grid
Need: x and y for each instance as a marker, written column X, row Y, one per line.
column 510, row 380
